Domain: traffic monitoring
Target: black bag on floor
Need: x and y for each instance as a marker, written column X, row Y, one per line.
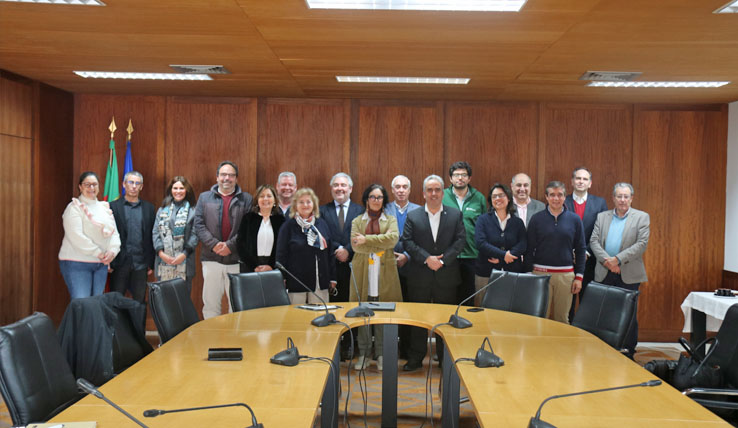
column 693, row 371
column 663, row 369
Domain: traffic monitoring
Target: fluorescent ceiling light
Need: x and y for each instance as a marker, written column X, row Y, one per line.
column 411, row 80
column 731, row 7
column 71, row 2
column 141, row 76
column 658, row 84
column 445, row 5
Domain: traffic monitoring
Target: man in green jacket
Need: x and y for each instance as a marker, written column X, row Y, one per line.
column 472, row 204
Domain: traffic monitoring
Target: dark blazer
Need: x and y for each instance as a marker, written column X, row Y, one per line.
column 418, row 241
column 147, row 224
column 340, row 238
column 246, row 240
column 595, row 205
column 299, row 258
column 492, row 242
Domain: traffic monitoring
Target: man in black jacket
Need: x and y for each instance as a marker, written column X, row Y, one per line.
column 433, row 237
column 134, row 219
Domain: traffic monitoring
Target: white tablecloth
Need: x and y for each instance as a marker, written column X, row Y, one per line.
column 713, row 306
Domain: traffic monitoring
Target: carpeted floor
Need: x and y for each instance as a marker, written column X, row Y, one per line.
column 411, row 406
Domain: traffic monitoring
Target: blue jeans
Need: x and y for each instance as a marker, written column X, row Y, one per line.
column 84, row 279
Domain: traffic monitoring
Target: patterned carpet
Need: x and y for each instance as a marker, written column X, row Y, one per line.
column 411, row 407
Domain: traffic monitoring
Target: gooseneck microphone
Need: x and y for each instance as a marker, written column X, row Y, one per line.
column 89, row 388
column 154, row 412
column 359, row 311
column 458, row 322
column 322, row 320
column 536, row 422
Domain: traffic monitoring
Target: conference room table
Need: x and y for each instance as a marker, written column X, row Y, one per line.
column 542, row 358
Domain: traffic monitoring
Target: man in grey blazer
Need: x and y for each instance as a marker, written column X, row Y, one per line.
column 433, row 237
column 619, row 239
column 525, row 206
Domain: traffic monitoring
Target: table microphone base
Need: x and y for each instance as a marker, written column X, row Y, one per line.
column 359, row 311
column 324, row 320
column 457, row 322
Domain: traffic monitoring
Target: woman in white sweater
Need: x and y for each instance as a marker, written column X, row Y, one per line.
column 91, row 240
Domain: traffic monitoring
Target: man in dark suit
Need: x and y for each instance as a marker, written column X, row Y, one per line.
column 134, row 220
column 618, row 241
column 433, row 237
column 338, row 214
column 586, row 206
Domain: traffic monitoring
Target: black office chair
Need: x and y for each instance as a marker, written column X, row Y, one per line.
column 723, row 401
column 257, row 290
column 171, row 307
column 607, row 312
column 35, row 379
column 523, row 293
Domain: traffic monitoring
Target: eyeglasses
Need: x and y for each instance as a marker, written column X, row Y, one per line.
column 376, row 198
column 622, row 197
column 227, row 175
column 459, row 175
column 134, row 183
column 90, row 185
column 498, row 196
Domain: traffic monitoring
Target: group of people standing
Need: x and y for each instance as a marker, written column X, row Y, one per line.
column 437, row 253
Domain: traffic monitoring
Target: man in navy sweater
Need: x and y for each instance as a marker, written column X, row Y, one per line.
column 556, row 247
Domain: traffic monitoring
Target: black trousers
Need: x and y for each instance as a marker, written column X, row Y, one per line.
column 343, row 284
column 466, row 288
column 126, row 278
column 631, row 339
column 403, row 331
column 427, row 292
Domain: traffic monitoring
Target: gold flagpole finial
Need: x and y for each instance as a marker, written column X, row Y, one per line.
column 129, row 129
column 112, row 127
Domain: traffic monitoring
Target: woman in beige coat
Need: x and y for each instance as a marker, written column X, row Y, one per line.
column 373, row 238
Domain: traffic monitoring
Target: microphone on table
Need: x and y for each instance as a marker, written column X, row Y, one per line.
column 154, row 412
column 458, row 322
column 287, row 357
column 359, row 311
column 322, row 320
column 536, row 422
column 487, row 358
column 89, row 388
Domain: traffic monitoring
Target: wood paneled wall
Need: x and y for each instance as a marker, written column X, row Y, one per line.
column 665, row 151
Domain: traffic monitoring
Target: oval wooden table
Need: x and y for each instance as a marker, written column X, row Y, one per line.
column 542, row 358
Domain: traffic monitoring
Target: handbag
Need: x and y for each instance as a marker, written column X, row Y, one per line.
column 693, row 371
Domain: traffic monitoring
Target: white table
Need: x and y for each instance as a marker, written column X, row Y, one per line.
column 703, row 312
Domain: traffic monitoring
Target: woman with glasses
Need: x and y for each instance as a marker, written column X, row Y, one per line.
column 303, row 247
column 374, row 235
column 500, row 238
column 174, row 237
column 257, row 235
column 91, row 240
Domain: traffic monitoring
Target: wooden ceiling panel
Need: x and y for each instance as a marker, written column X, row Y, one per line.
column 282, row 48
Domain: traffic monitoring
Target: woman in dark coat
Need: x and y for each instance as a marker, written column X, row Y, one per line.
column 500, row 237
column 259, row 231
column 304, row 249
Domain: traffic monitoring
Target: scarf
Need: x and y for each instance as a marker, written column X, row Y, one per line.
column 372, row 228
column 173, row 239
column 314, row 238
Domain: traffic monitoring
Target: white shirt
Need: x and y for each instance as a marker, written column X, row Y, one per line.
column 503, row 222
column 265, row 238
column 579, row 200
column 523, row 211
column 435, row 221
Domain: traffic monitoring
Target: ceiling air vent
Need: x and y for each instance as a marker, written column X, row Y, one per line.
column 200, row 69
column 611, row 76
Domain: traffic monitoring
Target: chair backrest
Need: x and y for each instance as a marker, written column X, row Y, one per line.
column 257, row 290
column 35, row 379
column 726, row 349
column 128, row 345
column 171, row 307
column 523, row 293
column 607, row 312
